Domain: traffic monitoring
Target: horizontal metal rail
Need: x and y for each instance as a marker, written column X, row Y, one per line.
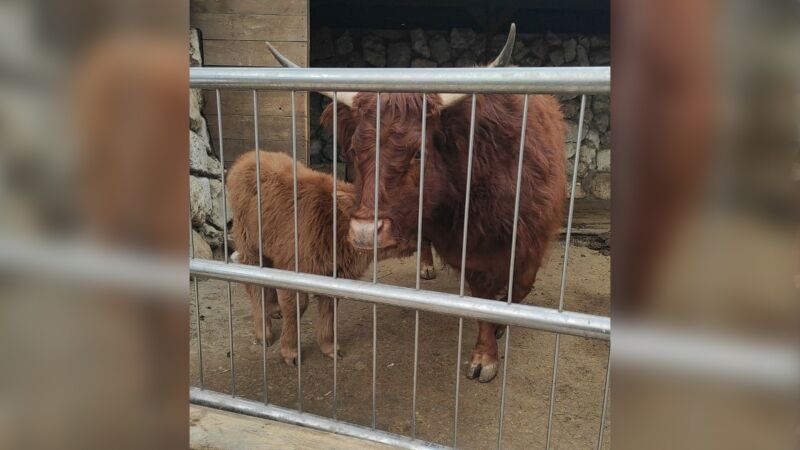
column 251, row 408
column 89, row 265
column 516, row 80
column 546, row 319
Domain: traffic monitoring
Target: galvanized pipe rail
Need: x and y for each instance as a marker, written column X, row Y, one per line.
column 513, row 80
column 528, row 316
column 225, row 402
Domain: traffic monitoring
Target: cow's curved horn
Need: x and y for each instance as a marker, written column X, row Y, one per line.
column 502, row 60
column 342, row 97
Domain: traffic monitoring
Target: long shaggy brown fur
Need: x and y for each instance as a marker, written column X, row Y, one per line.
column 496, row 149
column 315, row 237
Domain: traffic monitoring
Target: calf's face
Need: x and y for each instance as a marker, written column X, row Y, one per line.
column 397, row 172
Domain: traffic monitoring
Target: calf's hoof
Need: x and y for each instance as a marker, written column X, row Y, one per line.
column 484, row 373
column 427, row 272
column 270, row 340
column 339, row 354
column 257, row 339
column 327, row 350
column 291, row 362
column 289, row 357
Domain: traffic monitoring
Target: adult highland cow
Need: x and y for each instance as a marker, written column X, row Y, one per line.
column 498, row 124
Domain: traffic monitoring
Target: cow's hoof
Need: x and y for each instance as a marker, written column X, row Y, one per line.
column 499, row 331
column 427, row 272
column 488, row 372
column 474, row 371
column 484, row 374
column 483, row 367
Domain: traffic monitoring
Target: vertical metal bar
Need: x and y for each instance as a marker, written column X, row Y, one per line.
column 260, row 249
column 419, row 256
column 375, row 249
column 225, row 241
column 335, row 250
column 458, row 380
column 463, row 262
column 421, row 187
column 579, row 138
column 296, row 257
column 466, row 197
column 197, row 304
column 199, row 337
column 605, row 402
column 564, row 268
column 511, row 265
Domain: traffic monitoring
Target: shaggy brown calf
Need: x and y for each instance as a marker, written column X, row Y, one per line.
column 315, row 239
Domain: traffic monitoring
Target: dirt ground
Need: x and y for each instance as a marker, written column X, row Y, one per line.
column 579, row 390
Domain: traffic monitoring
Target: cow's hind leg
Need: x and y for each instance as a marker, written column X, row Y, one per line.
column 288, row 305
column 426, row 269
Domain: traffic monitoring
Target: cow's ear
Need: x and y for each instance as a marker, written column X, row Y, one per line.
column 346, row 121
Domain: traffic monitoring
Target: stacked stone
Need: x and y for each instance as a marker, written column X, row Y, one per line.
column 461, row 47
column 205, row 170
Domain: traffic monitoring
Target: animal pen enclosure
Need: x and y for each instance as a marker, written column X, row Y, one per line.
column 247, row 83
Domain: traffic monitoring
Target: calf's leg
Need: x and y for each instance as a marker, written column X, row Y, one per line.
column 272, row 306
column 261, row 329
column 325, row 327
column 288, row 305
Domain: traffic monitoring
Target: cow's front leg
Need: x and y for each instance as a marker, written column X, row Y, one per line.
column 485, row 360
column 288, row 305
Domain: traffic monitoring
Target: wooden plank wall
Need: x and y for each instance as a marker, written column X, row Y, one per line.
column 233, row 33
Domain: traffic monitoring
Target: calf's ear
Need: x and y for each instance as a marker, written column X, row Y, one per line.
column 345, row 124
column 345, row 200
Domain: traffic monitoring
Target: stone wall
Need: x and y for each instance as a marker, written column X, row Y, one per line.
column 205, row 170
column 466, row 48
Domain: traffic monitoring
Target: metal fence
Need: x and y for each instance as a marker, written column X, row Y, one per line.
column 564, row 80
